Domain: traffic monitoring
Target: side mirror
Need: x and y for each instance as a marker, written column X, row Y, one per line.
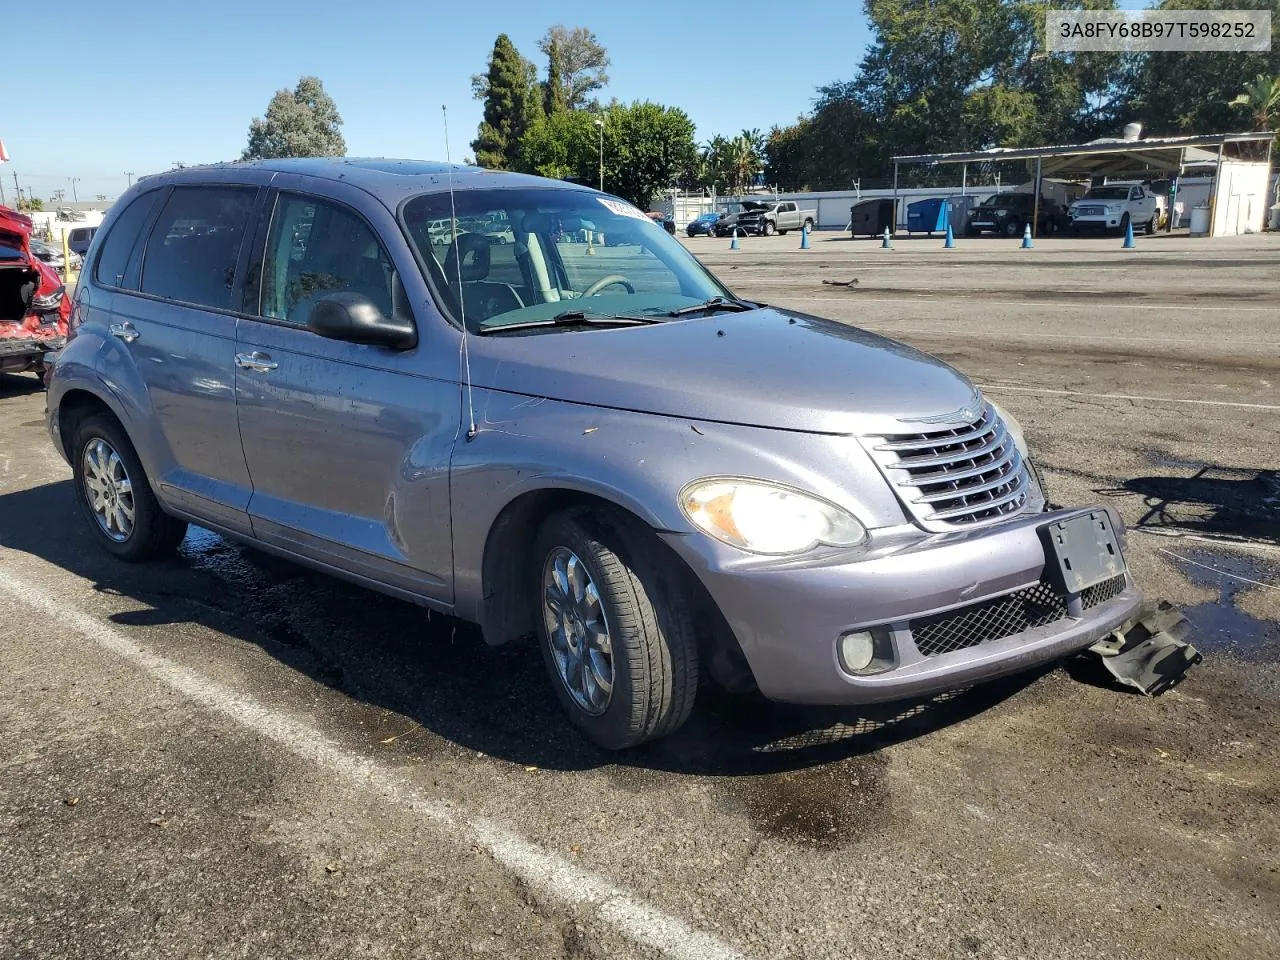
column 346, row 315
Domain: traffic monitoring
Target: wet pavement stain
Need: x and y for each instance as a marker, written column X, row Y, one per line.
column 1220, row 625
column 824, row 806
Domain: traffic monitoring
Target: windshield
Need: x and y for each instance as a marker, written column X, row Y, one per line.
column 527, row 255
column 1108, row 193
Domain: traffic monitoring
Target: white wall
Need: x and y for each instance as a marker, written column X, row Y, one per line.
column 1243, row 198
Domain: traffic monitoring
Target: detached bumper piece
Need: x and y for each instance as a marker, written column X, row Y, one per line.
column 1149, row 653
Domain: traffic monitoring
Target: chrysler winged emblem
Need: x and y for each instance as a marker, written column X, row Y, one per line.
column 966, row 414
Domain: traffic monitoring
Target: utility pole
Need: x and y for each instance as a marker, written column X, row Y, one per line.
column 600, row 125
column 74, row 181
column 129, row 174
column 17, row 189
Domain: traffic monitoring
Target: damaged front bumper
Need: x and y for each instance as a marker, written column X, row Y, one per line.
column 947, row 611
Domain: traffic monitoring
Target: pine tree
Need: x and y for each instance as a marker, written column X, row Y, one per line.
column 511, row 103
column 554, row 97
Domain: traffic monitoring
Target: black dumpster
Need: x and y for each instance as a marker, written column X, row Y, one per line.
column 870, row 217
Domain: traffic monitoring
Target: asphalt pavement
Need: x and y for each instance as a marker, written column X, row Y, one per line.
column 226, row 755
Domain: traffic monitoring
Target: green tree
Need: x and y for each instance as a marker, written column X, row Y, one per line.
column 1174, row 92
column 1261, row 100
column 512, row 103
column 30, row 204
column 583, row 63
column 647, row 148
column 303, row 122
column 554, row 100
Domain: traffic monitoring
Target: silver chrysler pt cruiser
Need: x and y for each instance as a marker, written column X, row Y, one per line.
column 520, row 402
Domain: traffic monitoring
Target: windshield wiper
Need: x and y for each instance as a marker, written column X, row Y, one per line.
column 715, row 303
column 573, row 318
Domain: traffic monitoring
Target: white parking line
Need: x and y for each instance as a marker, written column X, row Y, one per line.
column 1060, row 304
column 552, row 876
column 1034, row 335
column 1128, row 396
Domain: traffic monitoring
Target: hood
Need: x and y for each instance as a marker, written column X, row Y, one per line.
column 766, row 368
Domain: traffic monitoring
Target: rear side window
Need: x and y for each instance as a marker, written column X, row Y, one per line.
column 318, row 246
column 118, row 246
column 192, row 251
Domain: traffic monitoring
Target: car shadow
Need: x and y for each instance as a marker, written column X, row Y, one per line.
column 437, row 671
column 1213, row 501
column 19, row 384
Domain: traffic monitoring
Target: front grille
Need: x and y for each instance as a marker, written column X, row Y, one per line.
column 1091, row 211
column 963, row 475
column 1000, row 617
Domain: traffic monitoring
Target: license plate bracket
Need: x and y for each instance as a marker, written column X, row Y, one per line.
column 1081, row 551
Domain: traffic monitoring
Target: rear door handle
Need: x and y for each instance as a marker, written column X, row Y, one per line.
column 125, row 331
column 260, row 362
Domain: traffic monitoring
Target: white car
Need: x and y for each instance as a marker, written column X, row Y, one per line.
column 1116, row 206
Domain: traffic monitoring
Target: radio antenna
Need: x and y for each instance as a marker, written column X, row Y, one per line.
column 462, row 305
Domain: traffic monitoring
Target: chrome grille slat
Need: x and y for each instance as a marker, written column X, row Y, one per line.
column 1002, row 478
column 937, row 459
column 969, row 473
column 946, row 476
column 939, row 439
column 1015, row 496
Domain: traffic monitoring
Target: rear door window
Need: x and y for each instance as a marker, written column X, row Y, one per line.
column 193, row 248
column 316, row 246
column 118, row 247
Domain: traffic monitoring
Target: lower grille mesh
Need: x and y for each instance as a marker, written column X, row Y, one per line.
column 1001, row 617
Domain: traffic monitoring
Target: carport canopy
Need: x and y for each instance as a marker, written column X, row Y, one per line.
column 1109, row 157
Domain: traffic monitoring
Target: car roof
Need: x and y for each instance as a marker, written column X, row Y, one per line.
column 389, row 180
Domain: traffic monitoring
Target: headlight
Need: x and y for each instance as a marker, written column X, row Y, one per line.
column 1013, row 426
column 1113, row 208
column 1002, row 213
column 763, row 517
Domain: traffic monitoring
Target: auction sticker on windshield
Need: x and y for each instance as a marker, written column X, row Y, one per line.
column 622, row 209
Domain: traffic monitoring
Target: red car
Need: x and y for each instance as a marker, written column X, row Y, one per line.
column 34, row 308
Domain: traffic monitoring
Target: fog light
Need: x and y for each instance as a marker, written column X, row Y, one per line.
column 857, row 651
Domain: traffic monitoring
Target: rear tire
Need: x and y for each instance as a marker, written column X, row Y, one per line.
column 633, row 593
column 1151, row 226
column 128, row 519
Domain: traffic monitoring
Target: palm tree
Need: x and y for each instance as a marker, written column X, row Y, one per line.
column 1261, row 97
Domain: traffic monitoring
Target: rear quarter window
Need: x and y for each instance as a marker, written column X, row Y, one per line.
column 119, row 244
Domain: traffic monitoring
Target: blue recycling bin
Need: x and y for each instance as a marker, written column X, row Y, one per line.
column 927, row 216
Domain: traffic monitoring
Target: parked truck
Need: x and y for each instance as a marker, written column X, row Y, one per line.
column 769, row 217
column 1116, row 206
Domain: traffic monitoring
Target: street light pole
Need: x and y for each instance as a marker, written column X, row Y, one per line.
column 600, row 125
column 129, row 174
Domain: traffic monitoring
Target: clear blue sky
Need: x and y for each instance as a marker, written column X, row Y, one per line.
column 151, row 82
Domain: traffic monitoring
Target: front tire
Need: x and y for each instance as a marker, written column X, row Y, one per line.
column 115, row 494
column 768, row 229
column 616, row 628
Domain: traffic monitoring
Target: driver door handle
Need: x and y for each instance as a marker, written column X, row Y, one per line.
column 258, row 361
column 124, row 331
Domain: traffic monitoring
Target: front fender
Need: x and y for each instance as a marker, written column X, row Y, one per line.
column 637, row 461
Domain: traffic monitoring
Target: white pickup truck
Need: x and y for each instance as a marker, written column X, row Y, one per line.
column 1115, row 206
